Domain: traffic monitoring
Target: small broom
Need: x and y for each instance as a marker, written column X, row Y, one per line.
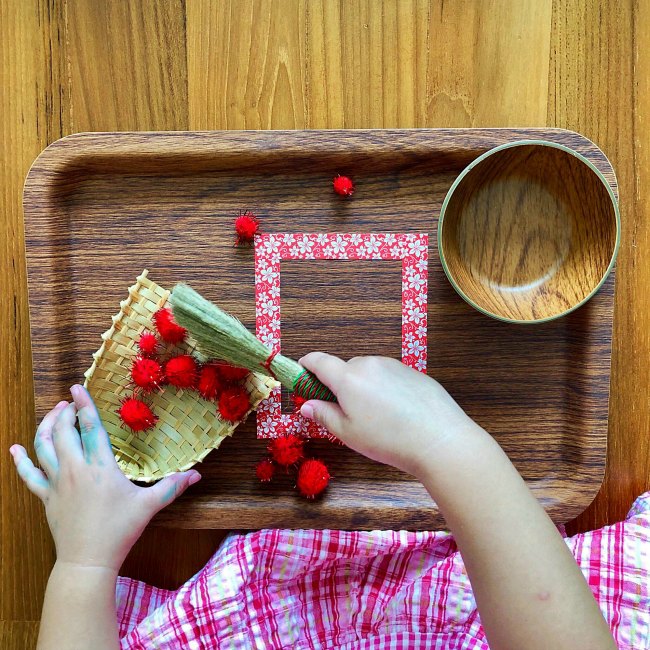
column 221, row 336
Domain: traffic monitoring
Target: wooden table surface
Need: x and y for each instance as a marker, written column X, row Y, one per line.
column 99, row 65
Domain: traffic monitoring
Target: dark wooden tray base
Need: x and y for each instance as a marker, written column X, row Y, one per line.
column 101, row 207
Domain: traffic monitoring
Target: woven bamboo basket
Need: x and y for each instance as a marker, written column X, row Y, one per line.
column 188, row 428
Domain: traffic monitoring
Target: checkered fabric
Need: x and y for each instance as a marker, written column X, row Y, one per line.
column 318, row 589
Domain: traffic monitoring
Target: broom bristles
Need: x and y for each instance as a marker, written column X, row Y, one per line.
column 222, row 336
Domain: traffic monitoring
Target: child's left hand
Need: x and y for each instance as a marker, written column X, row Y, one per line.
column 94, row 512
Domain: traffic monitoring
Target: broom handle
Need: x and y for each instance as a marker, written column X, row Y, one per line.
column 296, row 378
column 307, row 385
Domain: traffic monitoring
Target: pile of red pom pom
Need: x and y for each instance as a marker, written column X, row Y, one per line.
column 289, row 452
column 215, row 381
column 218, row 381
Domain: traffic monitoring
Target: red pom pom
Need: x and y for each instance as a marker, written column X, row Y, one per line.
column 343, row 185
column 136, row 414
column 147, row 374
column 181, row 371
column 286, row 450
column 298, row 401
column 210, row 382
column 234, row 403
column 148, row 344
column 313, row 478
column 229, row 372
column 264, row 470
column 167, row 327
column 246, row 227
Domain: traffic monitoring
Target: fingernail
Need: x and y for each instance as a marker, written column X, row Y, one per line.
column 12, row 450
column 307, row 410
column 61, row 403
column 195, row 478
column 74, row 390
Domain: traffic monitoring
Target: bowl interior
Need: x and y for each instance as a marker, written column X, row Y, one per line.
column 528, row 233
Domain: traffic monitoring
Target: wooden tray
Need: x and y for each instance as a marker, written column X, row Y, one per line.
column 101, row 207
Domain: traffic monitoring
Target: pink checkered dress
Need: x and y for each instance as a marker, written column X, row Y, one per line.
column 308, row 589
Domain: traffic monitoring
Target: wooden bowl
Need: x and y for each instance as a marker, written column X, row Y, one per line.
column 529, row 231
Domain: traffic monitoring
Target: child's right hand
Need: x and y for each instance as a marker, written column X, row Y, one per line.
column 529, row 590
column 387, row 411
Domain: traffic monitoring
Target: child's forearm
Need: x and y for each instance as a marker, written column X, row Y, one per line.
column 528, row 587
column 79, row 609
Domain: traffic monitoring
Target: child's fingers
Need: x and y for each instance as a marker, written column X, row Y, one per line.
column 65, row 436
column 326, row 414
column 328, row 368
column 94, row 439
column 171, row 487
column 34, row 478
column 43, row 444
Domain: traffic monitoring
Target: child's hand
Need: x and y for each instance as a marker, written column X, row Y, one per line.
column 386, row 411
column 95, row 513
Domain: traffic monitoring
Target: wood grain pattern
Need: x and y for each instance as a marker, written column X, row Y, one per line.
column 110, row 93
column 573, row 64
column 466, row 80
column 284, row 64
column 18, row 635
column 598, row 85
column 26, row 552
column 124, row 197
column 246, row 60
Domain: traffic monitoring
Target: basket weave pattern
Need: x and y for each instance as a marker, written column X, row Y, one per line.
column 188, row 427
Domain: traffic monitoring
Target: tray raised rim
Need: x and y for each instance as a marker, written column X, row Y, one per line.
column 77, row 151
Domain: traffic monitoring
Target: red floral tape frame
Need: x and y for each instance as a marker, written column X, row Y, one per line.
column 270, row 250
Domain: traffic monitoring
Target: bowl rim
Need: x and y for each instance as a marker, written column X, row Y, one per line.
column 469, row 168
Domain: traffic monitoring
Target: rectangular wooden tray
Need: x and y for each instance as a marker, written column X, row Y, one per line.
column 100, row 207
